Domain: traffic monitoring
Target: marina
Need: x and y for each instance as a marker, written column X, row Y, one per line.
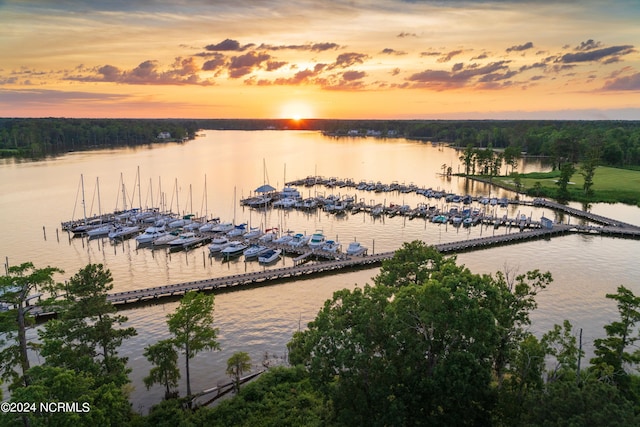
column 258, row 317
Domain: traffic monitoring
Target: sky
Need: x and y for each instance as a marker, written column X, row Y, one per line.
column 358, row 59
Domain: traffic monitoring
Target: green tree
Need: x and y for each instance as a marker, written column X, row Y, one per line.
column 192, row 328
column 164, row 357
column 87, row 334
column 16, row 290
column 238, row 364
column 611, row 353
column 588, row 170
column 566, row 172
column 561, row 345
column 467, row 158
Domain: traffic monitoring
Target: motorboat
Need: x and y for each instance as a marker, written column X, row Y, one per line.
column 331, row 246
column 122, row 231
column 222, row 227
column 218, row 244
column 101, row 230
column 253, row 233
column 317, row 240
column 269, row 256
column 355, row 248
column 238, row 231
column 299, row 240
column 235, row 248
column 164, row 240
column 269, row 236
column 283, row 239
column 185, row 239
column 150, row 234
column 254, row 250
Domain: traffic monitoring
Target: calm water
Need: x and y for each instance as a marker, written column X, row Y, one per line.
column 229, row 165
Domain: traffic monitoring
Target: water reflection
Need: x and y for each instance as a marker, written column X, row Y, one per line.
column 37, row 196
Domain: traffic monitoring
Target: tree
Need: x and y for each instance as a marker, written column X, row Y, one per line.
column 611, row 355
column 192, row 328
column 467, row 157
column 566, row 172
column 560, row 343
column 588, row 170
column 164, row 357
column 16, row 290
column 237, row 364
column 85, row 337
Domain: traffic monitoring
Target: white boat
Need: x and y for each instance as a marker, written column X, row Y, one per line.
column 269, row 236
column 270, row 256
column 122, row 231
column 254, row 251
column 222, row 227
column 164, row 240
column 355, row 248
column 218, row 244
column 185, row 220
column 317, row 240
column 254, row 233
column 150, row 234
column 238, row 231
column 210, row 225
column 331, row 246
column 185, row 239
column 102, row 230
column 283, row 239
column 298, row 240
column 235, row 248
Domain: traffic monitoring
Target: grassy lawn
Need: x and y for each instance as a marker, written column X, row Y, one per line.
column 609, row 185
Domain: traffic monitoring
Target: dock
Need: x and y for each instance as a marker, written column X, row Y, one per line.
column 344, row 263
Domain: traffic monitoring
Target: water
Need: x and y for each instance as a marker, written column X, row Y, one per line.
column 37, row 196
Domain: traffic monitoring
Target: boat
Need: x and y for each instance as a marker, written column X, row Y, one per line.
column 298, row 240
column 235, row 248
column 210, row 225
column 317, row 240
column 222, row 227
column 166, row 239
column 102, row 230
column 283, row 239
column 331, row 246
column 238, row 231
column 185, row 220
column 150, row 234
column 122, row 231
column 269, row 256
column 355, row 249
column 253, row 233
column 185, row 239
column 269, row 236
column 218, row 244
column 254, row 250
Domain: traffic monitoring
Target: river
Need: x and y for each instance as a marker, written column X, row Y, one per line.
column 209, row 175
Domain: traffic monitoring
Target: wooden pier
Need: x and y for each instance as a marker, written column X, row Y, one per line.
column 343, row 263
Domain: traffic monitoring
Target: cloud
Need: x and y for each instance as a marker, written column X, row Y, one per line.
column 182, row 72
column 588, row 45
column 631, row 83
column 313, row 47
column 449, row 56
column 218, row 62
column 245, row 64
column 353, row 75
column 430, row 53
column 346, row 60
column 389, row 51
column 520, row 48
column 227, row 45
column 404, row 34
column 461, row 76
column 596, row 54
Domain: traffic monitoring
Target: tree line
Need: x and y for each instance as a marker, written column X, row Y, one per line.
column 428, row 343
column 617, row 142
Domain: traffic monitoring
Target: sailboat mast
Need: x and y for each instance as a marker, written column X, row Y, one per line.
column 84, row 205
column 124, row 194
column 177, row 203
column 139, row 192
column 99, row 203
column 206, row 200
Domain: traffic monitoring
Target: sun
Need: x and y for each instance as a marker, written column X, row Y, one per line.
column 296, row 110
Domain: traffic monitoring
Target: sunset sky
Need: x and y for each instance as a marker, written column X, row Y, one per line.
column 412, row 59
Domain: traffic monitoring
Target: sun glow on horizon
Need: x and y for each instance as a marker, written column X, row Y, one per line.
column 297, row 110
